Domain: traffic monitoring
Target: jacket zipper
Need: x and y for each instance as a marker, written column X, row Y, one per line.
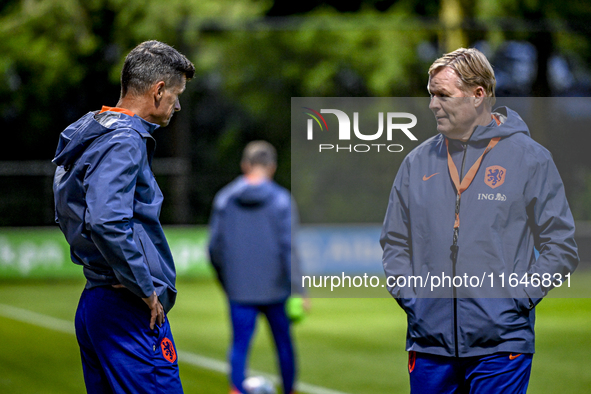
column 454, row 249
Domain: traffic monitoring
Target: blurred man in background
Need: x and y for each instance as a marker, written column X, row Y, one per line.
column 487, row 192
column 251, row 250
column 107, row 204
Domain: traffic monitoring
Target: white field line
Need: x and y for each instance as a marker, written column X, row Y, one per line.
column 67, row 327
column 37, row 319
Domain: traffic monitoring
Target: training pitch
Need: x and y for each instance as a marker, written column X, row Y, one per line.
column 351, row 346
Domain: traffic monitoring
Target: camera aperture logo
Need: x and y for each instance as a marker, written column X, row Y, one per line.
column 344, row 131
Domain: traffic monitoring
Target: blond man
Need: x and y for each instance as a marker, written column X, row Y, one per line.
column 463, row 339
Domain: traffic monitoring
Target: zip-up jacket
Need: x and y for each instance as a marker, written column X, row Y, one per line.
column 107, row 204
column 251, row 242
column 515, row 204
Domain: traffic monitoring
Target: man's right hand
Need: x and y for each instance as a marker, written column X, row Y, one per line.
column 156, row 309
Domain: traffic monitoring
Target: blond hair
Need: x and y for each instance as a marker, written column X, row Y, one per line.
column 472, row 67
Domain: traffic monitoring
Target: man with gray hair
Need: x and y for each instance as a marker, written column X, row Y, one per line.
column 107, row 204
column 463, row 339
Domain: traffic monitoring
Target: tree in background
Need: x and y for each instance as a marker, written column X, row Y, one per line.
column 252, row 56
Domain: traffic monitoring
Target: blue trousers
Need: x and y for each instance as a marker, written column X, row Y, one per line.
column 499, row 373
column 243, row 326
column 120, row 354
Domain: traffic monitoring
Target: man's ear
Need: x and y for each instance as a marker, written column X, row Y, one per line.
column 158, row 90
column 271, row 169
column 245, row 167
column 479, row 96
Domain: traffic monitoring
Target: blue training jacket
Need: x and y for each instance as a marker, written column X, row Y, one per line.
column 107, row 204
column 516, row 203
column 251, row 244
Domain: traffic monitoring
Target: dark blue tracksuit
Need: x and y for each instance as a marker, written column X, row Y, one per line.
column 515, row 203
column 107, row 204
column 251, row 250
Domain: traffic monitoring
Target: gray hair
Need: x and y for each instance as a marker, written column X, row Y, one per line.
column 151, row 62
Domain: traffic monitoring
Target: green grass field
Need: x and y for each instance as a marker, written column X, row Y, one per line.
column 349, row 345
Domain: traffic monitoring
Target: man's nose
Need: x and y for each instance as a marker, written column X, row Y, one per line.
column 434, row 103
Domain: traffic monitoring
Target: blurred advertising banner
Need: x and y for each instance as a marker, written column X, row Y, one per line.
column 334, row 249
column 43, row 252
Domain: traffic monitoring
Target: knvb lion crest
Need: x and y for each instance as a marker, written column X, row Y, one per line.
column 494, row 176
column 168, row 350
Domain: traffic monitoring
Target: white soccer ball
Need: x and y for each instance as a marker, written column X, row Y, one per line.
column 258, row 385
